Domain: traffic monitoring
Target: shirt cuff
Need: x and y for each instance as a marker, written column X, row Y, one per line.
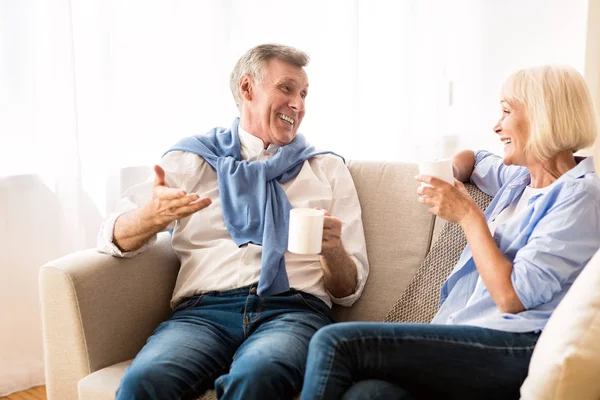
column 347, row 301
column 105, row 241
column 481, row 155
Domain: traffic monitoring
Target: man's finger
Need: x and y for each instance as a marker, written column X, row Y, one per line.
column 194, row 207
column 159, row 180
column 167, row 193
column 184, row 201
column 331, row 222
column 327, row 213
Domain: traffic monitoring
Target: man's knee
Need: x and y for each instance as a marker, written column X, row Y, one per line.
column 264, row 376
column 145, row 382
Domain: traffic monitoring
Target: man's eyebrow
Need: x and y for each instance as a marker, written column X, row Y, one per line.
column 287, row 79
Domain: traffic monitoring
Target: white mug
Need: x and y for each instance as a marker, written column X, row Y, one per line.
column 306, row 230
column 441, row 169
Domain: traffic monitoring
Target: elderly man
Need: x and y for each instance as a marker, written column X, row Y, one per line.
column 244, row 309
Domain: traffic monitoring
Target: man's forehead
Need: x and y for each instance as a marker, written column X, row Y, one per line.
column 280, row 70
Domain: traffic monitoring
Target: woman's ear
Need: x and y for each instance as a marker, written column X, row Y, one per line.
column 246, row 87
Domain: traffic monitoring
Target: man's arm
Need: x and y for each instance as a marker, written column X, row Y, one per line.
column 463, row 164
column 134, row 228
column 344, row 262
column 339, row 271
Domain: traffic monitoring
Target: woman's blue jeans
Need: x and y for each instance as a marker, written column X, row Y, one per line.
column 416, row 361
column 246, row 346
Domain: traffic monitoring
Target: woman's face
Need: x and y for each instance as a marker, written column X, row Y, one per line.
column 513, row 129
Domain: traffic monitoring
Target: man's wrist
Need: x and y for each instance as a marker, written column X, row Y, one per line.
column 334, row 253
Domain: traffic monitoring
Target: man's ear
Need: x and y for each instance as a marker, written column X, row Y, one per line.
column 246, row 87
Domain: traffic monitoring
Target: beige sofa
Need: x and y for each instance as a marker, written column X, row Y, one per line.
column 98, row 310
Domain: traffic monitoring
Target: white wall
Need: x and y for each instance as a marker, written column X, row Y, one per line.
column 496, row 38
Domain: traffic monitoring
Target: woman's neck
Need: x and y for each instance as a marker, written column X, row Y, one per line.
column 544, row 173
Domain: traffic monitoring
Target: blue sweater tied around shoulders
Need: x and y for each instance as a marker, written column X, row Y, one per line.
column 255, row 207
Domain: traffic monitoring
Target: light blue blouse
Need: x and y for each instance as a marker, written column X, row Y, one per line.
column 548, row 243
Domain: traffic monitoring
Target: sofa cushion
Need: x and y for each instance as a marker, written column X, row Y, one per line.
column 421, row 300
column 391, row 214
column 103, row 384
column 565, row 362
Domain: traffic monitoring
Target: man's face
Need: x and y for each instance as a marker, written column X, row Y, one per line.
column 275, row 105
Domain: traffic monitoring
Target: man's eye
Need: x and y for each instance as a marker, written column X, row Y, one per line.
column 303, row 95
column 505, row 111
column 285, row 88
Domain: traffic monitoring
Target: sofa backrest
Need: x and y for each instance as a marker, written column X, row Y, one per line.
column 398, row 232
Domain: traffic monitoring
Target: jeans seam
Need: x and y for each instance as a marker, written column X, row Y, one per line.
column 192, row 304
column 325, row 377
column 210, row 378
column 245, row 320
column 258, row 313
column 420, row 338
column 310, row 306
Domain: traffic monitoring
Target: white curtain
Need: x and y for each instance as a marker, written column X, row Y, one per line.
column 89, row 88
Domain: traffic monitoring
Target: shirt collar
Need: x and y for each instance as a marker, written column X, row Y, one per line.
column 253, row 145
column 585, row 166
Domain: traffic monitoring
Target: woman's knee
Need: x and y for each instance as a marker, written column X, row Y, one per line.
column 327, row 336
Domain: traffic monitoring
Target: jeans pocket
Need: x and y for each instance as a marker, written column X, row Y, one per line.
column 315, row 304
column 188, row 303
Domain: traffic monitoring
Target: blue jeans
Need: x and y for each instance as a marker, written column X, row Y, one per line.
column 416, row 361
column 242, row 344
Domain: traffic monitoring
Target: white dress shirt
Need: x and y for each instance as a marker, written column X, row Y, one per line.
column 210, row 260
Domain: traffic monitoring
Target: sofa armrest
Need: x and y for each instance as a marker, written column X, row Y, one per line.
column 98, row 310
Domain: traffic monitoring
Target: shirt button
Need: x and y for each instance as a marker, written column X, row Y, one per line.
column 245, row 262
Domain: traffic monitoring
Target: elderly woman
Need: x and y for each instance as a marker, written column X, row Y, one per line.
column 523, row 254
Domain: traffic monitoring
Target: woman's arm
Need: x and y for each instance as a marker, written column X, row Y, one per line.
column 453, row 203
column 463, row 164
column 495, row 269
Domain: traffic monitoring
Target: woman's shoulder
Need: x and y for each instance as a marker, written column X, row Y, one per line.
column 580, row 190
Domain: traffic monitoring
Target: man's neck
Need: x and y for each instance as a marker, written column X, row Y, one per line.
column 247, row 127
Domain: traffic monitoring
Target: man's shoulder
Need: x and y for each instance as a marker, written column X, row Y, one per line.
column 329, row 159
column 183, row 158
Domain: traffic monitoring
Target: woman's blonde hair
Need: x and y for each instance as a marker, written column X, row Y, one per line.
column 559, row 108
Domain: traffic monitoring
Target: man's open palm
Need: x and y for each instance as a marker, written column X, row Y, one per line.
column 170, row 204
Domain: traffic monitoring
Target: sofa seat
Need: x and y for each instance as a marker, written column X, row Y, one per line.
column 102, row 384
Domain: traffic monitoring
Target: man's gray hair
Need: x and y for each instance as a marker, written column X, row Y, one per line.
column 253, row 63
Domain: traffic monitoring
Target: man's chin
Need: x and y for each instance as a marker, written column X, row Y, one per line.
column 286, row 138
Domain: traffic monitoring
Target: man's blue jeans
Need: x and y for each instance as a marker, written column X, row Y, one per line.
column 245, row 345
column 416, row 361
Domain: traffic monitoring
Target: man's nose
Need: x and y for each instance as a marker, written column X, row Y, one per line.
column 297, row 103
